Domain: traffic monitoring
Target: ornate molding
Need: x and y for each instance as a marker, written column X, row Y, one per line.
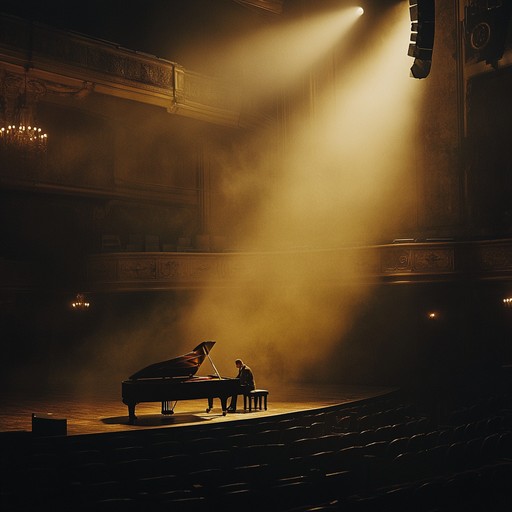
column 415, row 262
column 59, row 89
column 119, row 64
column 126, row 272
column 495, row 257
column 62, row 58
column 12, row 84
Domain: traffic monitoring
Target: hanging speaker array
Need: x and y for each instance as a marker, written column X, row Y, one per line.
column 421, row 46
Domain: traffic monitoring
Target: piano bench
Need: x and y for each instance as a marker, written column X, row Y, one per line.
column 257, row 398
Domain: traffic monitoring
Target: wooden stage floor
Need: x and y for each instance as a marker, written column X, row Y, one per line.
column 106, row 413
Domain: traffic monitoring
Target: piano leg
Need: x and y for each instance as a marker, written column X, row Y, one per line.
column 224, row 404
column 131, row 414
column 210, row 404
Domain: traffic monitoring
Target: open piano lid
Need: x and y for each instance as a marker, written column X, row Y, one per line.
column 182, row 366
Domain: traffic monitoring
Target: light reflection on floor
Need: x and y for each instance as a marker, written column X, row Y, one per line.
column 95, row 414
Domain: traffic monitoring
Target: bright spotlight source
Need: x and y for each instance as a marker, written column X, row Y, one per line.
column 360, row 11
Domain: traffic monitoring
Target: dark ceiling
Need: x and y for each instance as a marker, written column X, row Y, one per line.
column 177, row 30
column 164, row 28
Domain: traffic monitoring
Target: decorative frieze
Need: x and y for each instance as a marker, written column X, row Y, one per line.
column 110, row 69
column 417, row 259
column 433, row 260
column 415, row 262
column 397, row 260
column 495, row 257
column 137, row 269
column 117, row 63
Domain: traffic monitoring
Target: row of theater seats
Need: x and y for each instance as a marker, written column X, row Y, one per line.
column 377, row 455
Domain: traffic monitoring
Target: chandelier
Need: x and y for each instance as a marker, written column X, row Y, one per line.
column 80, row 302
column 19, row 134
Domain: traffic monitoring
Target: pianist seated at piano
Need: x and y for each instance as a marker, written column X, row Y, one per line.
column 175, row 379
column 246, row 378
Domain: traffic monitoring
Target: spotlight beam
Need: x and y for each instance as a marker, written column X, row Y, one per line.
column 277, row 56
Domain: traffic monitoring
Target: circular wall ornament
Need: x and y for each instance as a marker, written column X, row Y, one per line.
column 480, row 36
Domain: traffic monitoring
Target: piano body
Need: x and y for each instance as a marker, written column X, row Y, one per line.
column 174, row 379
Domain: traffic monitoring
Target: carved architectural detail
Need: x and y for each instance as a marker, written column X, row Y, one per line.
column 495, row 257
column 117, row 71
column 105, row 58
column 394, row 260
column 433, row 260
column 136, row 269
column 201, row 268
column 66, row 90
column 169, row 268
column 419, row 262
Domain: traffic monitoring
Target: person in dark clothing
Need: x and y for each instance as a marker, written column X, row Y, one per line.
column 246, row 382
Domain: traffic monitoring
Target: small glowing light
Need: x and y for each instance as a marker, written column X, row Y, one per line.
column 432, row 315
column 359, row 11
column 508, row 302
column 23, row 138
column 80, row 302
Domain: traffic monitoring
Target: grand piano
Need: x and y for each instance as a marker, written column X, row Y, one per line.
column 175, row 379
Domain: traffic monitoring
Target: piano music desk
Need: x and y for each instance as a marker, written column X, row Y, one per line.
column 258, row 398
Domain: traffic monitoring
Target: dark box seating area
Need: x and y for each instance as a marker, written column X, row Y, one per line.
column 381, row 454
